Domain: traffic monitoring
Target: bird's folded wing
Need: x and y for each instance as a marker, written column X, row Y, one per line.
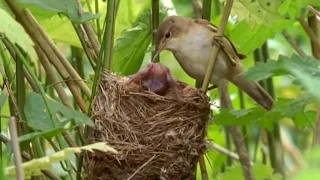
column 226, row 44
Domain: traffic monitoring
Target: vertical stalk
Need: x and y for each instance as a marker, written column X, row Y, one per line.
column 108, row 52
column 96, row 6
column 244, row 128
column 20, row 94
column 16, row 148
column 154, row 24
column 274, row 138
column 206, row 9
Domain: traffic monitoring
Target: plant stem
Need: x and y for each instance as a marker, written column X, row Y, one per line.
column 96, row 6
column 206, row 9
column 21, row 95
column 274, row 138
column 197, row 10
column 45, row 40
column 16, row 148
column 154, row 24
column 294, row 44
column 110, row 21
column 216, row 47
column 235, row 133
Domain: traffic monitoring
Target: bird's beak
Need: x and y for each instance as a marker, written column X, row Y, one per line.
column 159, row 48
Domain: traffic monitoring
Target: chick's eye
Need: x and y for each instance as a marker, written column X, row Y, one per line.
column 168, row 35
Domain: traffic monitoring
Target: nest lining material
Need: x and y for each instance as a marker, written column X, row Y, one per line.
column 156, row 136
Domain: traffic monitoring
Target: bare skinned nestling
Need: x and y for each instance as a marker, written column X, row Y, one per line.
column 155, row 78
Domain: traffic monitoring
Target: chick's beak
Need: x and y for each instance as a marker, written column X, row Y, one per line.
column 159, row 48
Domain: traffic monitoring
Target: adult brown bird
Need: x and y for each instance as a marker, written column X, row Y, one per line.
column 191, row 43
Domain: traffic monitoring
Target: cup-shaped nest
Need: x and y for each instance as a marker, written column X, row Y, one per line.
column 157, row 137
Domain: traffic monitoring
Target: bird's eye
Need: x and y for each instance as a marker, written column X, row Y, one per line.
column 168, row 34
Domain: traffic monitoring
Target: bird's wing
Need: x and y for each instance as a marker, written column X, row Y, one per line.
column 226, row 43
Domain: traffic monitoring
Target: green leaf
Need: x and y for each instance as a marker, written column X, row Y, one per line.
column 284, row 108
column 34, row 166
column 67, row 7
column 131, row 46
column 27, row 138
column 3, row 99
column 309, row 79
column 259, row 171
column 256, row 12
column 305, row 119
column 16, row 34
column 61, row 29
column 38, row 117
column 260, row 20
column 284, row 66
column 246, row 38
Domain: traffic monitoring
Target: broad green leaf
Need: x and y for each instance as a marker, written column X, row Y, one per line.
column 38, row 117
column 310, row 80
column 16, row 34
column 34, row 166
column 60, row 29
column 256, row 12
column 284, row 108
column 132, row 45
column 259, row 172
column 305, row 119
column 67, row 7
column 260, row 20
column 246, row 39
column 284, row 66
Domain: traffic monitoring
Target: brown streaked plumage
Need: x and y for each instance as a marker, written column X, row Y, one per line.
column 191, row 43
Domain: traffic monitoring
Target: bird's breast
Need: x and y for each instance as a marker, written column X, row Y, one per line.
column 194, row 54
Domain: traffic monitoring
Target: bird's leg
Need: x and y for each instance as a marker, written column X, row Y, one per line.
column 217, row 40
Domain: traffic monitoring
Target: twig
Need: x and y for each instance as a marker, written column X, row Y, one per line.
column 293, row 44
column 89, row 36
column 139, row 169
column 60, row 56
column 197, row 10
column 314, row 11
column 16, row 148
column 26, row 73
column 216, row 47
column 223, row 150
column 310, row 33
column 235, row 133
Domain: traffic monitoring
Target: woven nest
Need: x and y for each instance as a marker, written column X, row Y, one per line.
column 156, row 136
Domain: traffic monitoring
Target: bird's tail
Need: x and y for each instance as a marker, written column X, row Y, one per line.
column 254, row 90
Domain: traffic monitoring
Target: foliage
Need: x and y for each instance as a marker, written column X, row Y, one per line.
column 132, row 44
column 16, row 34
column 34, row 166
column 255, row 22
column 68, row 8
column 39, row 119
column 260, row 20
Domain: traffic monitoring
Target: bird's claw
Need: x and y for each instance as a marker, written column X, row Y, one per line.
column 217, row 40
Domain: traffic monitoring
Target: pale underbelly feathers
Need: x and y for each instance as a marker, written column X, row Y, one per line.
column 194, row 58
